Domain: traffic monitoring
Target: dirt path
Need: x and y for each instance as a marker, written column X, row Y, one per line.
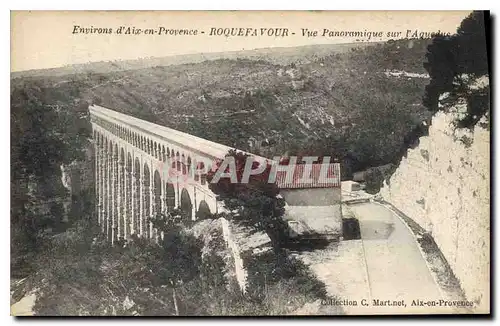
column 385, row 265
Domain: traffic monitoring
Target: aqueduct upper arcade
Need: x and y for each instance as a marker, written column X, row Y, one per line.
column 143, row 169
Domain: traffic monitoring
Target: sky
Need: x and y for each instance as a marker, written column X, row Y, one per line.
column 46, row 39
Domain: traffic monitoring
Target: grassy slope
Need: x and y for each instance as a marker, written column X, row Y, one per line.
column 339, row 104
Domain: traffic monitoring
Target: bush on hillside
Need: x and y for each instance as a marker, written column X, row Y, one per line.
column 49, row 127
column 256, row 201
column 80, row 276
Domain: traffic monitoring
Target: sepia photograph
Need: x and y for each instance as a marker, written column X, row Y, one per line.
column 250, row 163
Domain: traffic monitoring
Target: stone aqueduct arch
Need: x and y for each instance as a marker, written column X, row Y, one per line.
column 143, row 169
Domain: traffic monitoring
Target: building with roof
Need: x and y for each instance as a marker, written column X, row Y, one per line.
column 313, row 199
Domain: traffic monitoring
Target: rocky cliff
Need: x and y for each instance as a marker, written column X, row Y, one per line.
column 444, row 185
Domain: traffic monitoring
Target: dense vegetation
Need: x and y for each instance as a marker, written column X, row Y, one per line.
column 454, row 64
column 79, row 276
column 49, row 127
column 252, row 202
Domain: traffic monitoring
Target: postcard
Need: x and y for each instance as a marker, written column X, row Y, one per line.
column 250, row 163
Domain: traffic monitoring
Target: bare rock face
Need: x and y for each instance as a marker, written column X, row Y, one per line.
column 444, row 185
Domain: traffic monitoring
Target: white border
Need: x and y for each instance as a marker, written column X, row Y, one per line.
column 185, row 5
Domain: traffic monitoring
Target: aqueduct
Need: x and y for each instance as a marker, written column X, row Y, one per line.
column 143, row 169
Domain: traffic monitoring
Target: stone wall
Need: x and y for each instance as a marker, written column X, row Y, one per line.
column 444, row 185
column 240, row 272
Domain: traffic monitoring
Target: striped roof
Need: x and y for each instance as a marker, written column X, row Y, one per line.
column 317, row 177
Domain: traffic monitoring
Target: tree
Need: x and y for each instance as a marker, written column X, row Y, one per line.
column 454, row 63
column 49, row 127
column 182, row 251
column 256, row 202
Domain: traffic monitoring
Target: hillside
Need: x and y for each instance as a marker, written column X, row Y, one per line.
column 346, row 104
column 279, row 55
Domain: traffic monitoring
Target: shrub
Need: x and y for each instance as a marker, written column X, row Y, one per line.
column 373, row 180
column 78, row 276
column 280, row 284
column 256, row 202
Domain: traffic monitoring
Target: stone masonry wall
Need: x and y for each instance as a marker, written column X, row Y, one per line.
column 444, row 185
